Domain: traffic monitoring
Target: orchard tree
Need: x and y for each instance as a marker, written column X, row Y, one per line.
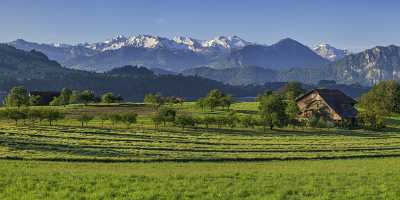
column 226, row 101
column 213, row 99
column 14, row 114
column 185, row 121
column 85, row 119
column 129, row 118
column 35, row 114
column 201, row 103
column 156, row 119
column 103, row 118
column 115, row 118
column 167, row 115
column 52, row 115
column 17, row 97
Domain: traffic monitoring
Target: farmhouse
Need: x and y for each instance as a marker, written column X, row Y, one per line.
column 45, row 96
column 331, row 103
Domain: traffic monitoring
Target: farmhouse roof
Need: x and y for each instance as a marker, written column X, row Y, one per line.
column 342, row 104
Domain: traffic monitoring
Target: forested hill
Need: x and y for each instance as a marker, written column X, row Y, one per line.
column 20, row 64
column 36, row 72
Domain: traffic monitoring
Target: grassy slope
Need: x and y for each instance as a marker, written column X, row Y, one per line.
column 334, row 179
column 319, row 179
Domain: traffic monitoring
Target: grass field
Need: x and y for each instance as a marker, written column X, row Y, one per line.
column 333, row 179
column 317, row 163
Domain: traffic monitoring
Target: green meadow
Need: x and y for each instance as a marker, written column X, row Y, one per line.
column 106, row 161
column 323, row 179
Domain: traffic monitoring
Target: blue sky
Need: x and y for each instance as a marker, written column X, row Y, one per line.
column 352, row 24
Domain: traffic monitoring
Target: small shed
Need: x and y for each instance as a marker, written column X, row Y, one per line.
column 337, row 105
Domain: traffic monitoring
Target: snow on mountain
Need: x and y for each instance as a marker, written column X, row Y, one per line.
column 177, row 43
column 226, row 42
column 61, row 45
column 192, row 44
column 329, row 52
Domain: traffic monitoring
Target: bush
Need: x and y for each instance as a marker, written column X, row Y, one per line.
column 313, row 121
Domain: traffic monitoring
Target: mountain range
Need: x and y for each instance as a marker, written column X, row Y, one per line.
column 231, row 60
column 177, row 54
column 36, row 71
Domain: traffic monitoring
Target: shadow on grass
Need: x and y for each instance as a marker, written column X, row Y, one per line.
column 26, row 144
column 259, row 132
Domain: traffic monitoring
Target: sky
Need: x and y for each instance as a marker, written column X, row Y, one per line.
column 350, row 24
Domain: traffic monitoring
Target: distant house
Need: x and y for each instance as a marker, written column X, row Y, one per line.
column 45, row 96
column 333, row 103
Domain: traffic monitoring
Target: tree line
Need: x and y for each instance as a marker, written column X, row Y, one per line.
column 37, row 115
column 19, row 96
column 276, row 109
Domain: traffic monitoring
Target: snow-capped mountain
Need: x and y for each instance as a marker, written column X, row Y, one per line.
column 140, row 41
column 177, row 43
column 329, row 52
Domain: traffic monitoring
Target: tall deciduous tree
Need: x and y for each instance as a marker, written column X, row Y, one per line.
column 292, row 90
column 380, row 101
column 272, row 110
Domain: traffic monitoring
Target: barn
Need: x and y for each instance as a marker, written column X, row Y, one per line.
column 333, row 103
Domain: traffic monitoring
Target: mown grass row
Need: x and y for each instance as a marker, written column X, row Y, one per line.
column 67, row 140
column 146, row 144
